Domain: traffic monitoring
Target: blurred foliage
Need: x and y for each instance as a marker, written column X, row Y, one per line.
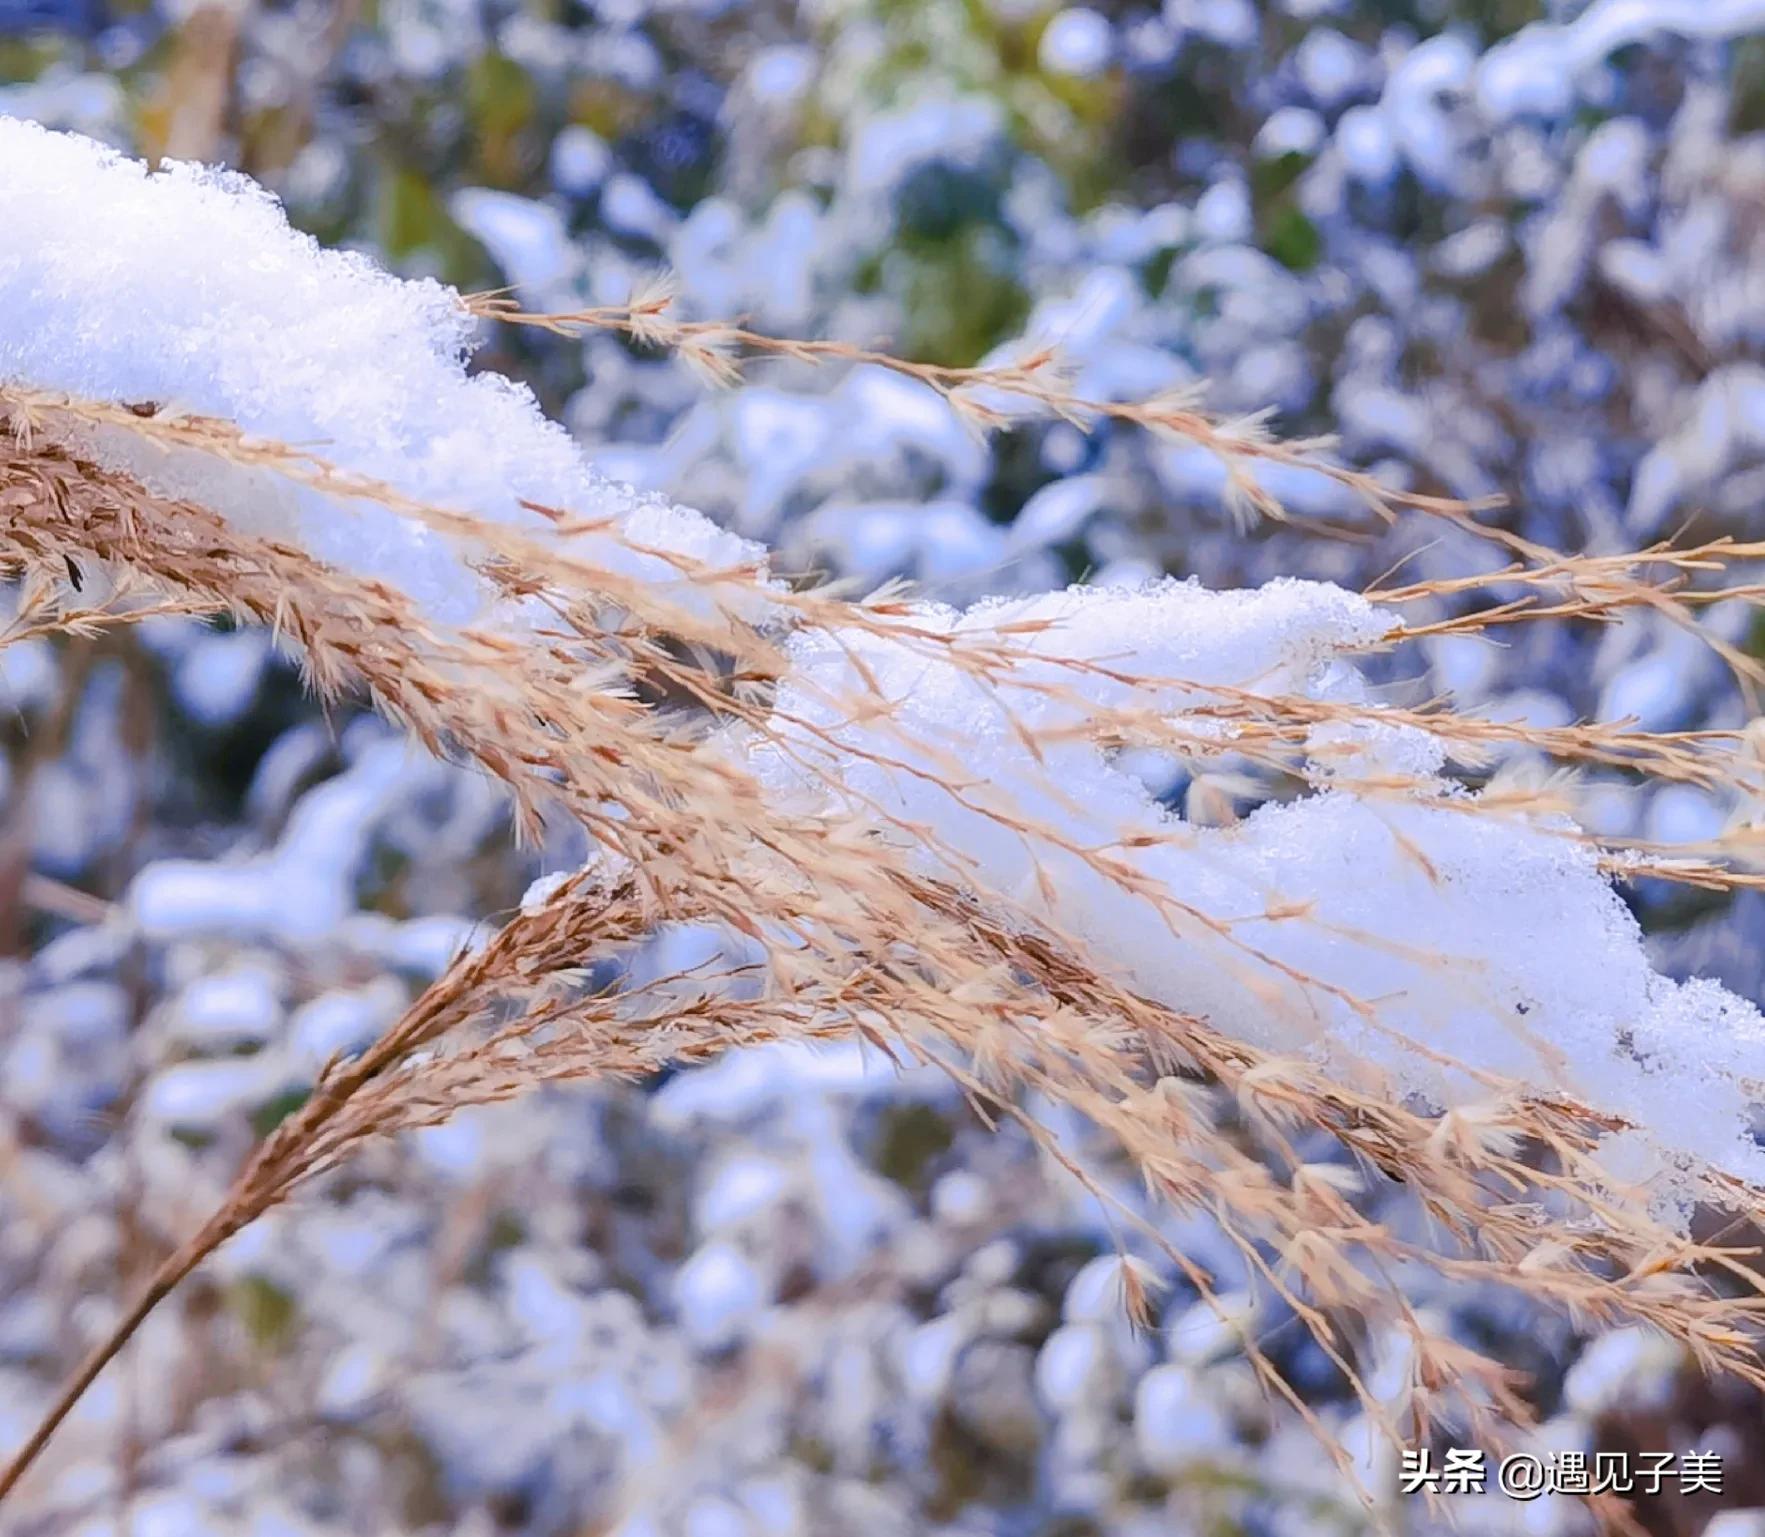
column 267, row 1312
column 1282, row 228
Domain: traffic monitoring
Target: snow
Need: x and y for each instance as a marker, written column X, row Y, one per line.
column 1534, row 71
column 1657, row 687
column 1223, row 214
column 740, row 1190
column 351, row 1382
column 743, row 1085
column 939, row 542
column 1416, row 107
column 1364, row 140
column 580, row 160
column 781, row 74
column 1094, row 1295
column 228, row 1008
column 1205, row 1330
column 428, row 946
column 200, row 1096
column 1058, row 511
column 303, row 888
column 1486, row 939
column 344, row 1020
column 1497, row 942
column 1077, row 42
column 1291, row 131
column 713, row 1516
column 629, row 207
column 1634, row 1366
column 1074, row 1367
column 926, row 1357
column 960, row 1198
column 889, row 146
column 1230, row 23
column 1176, row 1424
column 719, row 1293
column 455, row 1147
column 1330, row 66
column 1724, row 424
column 188, row 288
column 527, row 239
column 27, row 675
column 217, row 677
column 1577, row 205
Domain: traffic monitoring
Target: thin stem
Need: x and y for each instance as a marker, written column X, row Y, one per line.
column 164, row 1281
column 267, row 1176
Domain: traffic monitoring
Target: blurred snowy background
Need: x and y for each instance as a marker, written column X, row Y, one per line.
column 1493, row 246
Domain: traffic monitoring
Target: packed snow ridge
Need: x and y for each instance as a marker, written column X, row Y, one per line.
column 1371, row 933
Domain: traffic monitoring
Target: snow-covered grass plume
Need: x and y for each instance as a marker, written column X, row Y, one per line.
column 926, row 829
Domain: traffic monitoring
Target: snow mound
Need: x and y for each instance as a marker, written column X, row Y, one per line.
column 1354, row 929
column 187, row 289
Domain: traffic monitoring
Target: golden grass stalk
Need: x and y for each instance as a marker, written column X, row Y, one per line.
column 605, row 713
